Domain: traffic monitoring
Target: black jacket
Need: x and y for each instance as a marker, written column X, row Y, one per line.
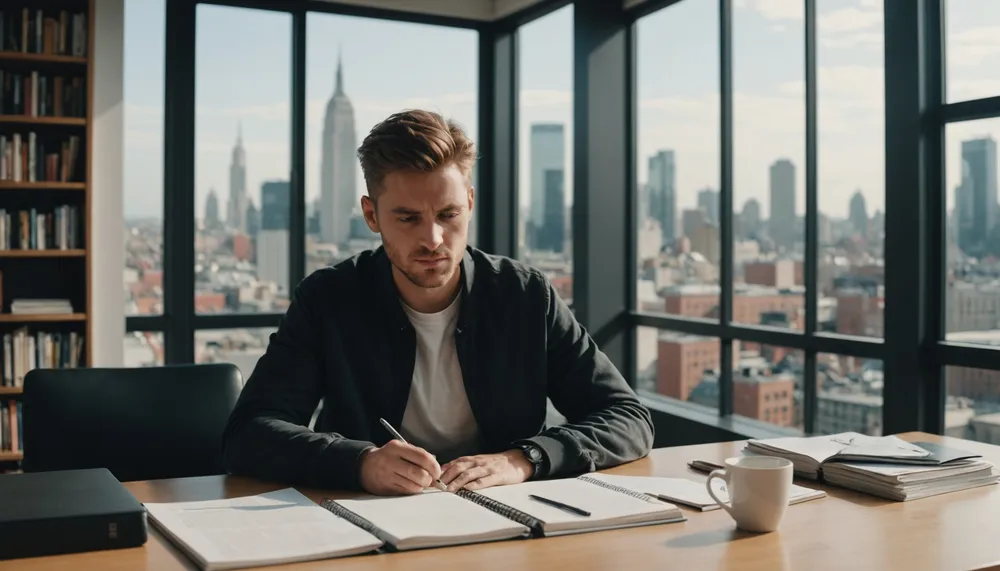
column 346, row 339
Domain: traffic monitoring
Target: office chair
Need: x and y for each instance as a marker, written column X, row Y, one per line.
column 141, row 424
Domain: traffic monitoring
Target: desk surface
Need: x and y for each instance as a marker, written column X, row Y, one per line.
column 845, row 530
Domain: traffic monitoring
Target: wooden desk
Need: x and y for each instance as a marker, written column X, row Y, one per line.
column 846, row 530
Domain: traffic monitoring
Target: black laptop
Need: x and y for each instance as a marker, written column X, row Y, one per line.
column 67, row 511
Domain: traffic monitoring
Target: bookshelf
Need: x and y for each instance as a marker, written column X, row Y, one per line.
column 46, row 124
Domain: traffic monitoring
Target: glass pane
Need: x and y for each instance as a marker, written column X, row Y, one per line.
column 768, row 163
column 972, row 49
column 851, row 155
column 678, row 160
column 972, row 294
column 241, row 347
column 242, row 141
column 143, row 349
column 145, row 21
column 767, row 383
column 360, row 71
column 849, row 397
column 972, row 410
column 679, row 366
column 545, row 180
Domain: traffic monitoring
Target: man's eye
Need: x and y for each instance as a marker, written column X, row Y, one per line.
column 449, row 214
column 407, row 218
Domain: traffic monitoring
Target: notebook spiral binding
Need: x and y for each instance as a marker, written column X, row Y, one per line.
column 358, row 521
column 503, row 509
column 626, row 491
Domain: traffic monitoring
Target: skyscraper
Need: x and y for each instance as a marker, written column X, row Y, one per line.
column 237, row 205
column 212, row 210
column 548, row 146
column 272, row 242
column 782, row 221
column 338, row 192
column 858, row 215
column 552, row 234
column 708, row 201
column 750, row 218
column 976, row 198
column 662, row 196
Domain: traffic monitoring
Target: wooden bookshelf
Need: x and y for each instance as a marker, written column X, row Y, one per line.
column 77, row 253
column 20, row 57
column 42, row 185
column 43, row 318
column 10, row 391
column 11, row 456
column 53, row 121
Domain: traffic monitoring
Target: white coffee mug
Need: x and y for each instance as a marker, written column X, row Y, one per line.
column 759, row 488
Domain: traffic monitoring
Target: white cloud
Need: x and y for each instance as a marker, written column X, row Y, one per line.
column 964, row 89
column 777, row 9
column 969, row 48
column 847, row 20
column 870, row 40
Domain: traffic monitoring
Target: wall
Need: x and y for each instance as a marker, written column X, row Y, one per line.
column 107, row 226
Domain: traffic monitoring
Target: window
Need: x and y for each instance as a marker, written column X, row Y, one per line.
column 241, row 347
column 346, row 97
column 242, row 146
column 848, row 394
column 545, row 181
column 972, row 409
column 767, row 383
column 143, row 156
column 973, row 53
column 679, row 366
column 677, row 205
column 768, row 163
column 972, row 293
column 851, row 167
column 143, row 349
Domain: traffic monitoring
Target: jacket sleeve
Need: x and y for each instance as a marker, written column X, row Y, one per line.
column 606, row 423
column 268, row 434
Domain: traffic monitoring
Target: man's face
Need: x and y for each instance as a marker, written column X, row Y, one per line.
column 424, row 222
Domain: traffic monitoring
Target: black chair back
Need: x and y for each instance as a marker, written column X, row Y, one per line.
column 141, row 424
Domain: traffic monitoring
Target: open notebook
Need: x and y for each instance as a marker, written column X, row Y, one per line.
column 266, row 529
column 436, row 519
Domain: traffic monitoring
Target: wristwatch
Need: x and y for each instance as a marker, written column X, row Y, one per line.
column 534, row 455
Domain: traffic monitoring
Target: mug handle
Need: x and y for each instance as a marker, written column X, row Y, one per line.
column 724, row 476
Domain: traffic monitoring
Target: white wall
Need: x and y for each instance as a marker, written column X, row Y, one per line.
column 107, row 225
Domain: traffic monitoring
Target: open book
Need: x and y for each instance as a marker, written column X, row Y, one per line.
column 691, row 493
column 436, row 519
column 809, row 454
column 267, row 529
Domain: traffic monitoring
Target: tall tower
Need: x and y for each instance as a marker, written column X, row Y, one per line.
column 338, row 192
column 977, row 196
column 212, row 210
column 858, row 214
column 237, row 206
column 782, row 220
column 662, row 198
column 548, row 145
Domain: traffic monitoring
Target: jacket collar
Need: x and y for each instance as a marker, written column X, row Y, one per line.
column 389, row 294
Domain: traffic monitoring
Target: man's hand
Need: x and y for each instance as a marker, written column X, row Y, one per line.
column 483, row 471
column 397, row 469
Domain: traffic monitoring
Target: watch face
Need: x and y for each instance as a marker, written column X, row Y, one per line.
column 533, row 453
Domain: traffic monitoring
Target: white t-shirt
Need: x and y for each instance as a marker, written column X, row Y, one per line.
column 438, row 417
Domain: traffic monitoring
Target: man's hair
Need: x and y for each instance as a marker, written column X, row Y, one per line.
column 414, row 140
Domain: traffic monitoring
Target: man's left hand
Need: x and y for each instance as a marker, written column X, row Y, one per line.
column 486, row 470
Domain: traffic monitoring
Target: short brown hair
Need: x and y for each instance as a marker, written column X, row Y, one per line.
column 414, row 140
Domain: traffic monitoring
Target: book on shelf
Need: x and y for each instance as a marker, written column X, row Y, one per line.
column 10, row 426
column 42, row 94
column 36, row 306
column 24, row 351
column 285, row 526
column 34, row 230
column 43, row 31
column 30, row 157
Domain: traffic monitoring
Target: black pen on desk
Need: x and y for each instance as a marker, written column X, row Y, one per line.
column 399, row 437
column 560, row 505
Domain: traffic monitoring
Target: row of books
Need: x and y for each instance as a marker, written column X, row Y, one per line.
column 29, row 157
column 24, row 352
column 37, row 31
column 33, row 230
column 38, row 94
column 10, row 426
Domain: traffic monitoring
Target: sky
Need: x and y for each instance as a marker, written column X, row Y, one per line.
column 243, row 81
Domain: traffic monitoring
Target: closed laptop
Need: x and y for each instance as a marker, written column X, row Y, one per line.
column 67, row 511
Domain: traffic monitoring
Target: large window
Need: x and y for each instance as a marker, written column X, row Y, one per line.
column 346, row 97
column 545, row 141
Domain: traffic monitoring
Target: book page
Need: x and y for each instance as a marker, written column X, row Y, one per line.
column 433, row 517
column 688, row 492
column 277, row 527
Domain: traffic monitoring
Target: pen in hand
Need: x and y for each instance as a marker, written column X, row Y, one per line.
column 560, row 505
column 398, row 436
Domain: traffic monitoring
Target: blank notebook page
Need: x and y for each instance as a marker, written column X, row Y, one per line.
column 607, row 507
column 433, row 518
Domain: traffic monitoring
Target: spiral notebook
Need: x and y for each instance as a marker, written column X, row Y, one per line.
column 439, row 519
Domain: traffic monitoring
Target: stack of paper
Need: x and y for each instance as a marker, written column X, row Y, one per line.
column 691, row 493
column 901, row 482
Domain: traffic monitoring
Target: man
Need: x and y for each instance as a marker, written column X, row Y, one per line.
column 454, row 348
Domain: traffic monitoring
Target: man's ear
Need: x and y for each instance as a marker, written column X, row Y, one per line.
column 472, row 197
column 368, row 208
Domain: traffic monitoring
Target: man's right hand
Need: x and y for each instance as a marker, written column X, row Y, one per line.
column 398, row 468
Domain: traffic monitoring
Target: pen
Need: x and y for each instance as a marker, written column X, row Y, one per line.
column 559, row 505
column 399, row 437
